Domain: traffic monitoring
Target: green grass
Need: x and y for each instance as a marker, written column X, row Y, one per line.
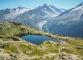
column 33, row 49
column 11, row 48
column 25, row 48
column 12, row 29
column 11, row 32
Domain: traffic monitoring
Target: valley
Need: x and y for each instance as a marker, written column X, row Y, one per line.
column 41, row 33
column 34, row 17
column 48, row 17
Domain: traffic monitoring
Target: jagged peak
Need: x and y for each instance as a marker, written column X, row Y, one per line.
column 20, row 7
column 80, row 4
column 52, row 6
column 44, row 4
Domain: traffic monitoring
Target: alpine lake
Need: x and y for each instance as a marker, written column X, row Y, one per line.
column 38, row 39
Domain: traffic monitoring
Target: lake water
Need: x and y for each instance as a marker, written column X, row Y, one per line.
column 37, row 39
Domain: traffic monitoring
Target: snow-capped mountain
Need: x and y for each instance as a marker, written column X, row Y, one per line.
column 36, row 17
column 50, row 10
column 63, row 10
column 15, row 12
column 58, row 21
column 9, row 14
column 68, row 23
column 74, row 13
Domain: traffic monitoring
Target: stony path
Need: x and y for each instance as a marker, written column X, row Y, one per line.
column 57, row 56
column 22, row 56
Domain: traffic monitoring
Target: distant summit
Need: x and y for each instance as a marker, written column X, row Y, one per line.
column 20, row 7
column 44, row 4
column 80, row 4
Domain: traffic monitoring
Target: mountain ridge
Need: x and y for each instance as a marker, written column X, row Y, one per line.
column 51, row 16
column 31, row 17
column 68, row 23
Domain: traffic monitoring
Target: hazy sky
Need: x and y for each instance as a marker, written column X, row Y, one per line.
column 35, row 3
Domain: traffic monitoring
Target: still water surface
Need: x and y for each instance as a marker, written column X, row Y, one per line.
column 37, row 39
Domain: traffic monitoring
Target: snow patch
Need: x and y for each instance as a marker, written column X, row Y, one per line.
column 15, row 13
column 49, row 14
column 53, row 10
column 62, row 22
column 41, row 23
column 44, row 8
column 78, row 8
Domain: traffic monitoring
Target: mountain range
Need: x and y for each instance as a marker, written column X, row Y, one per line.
column 48, row 18
column 68, row 23
column 36, row 17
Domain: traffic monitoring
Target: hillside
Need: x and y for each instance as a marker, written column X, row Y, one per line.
column 13, row 47
column 68, row 23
